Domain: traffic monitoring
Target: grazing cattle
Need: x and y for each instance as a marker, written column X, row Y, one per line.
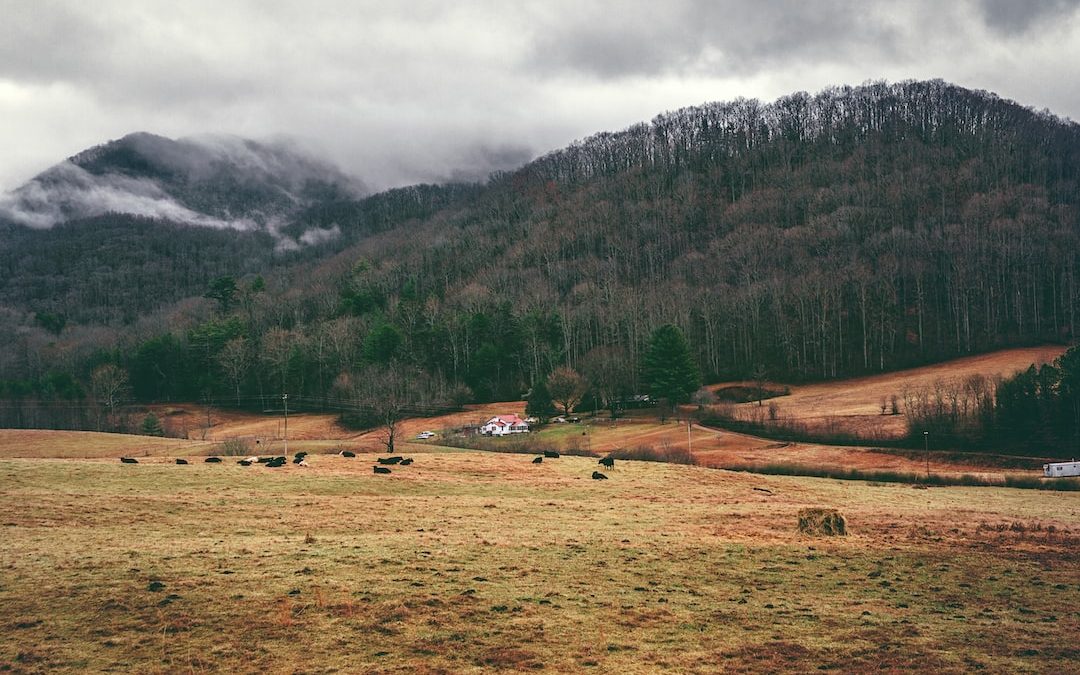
column 181, row 461
column 244, row 462
column 264, row 460
column 297, row 459
column 129, row 460
column 538, row 460
column 554, row 454
column 348, row 453
column 381, row 469
column 213, row 460
column 406, row 462
column 275, row 462
column 596, row 475
column 390, row 460
column 609, row 462
column 300, row 455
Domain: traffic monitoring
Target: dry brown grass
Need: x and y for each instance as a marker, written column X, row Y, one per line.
column 45, row 443
column 853, row 406
column 470, row 561
column 190, row 419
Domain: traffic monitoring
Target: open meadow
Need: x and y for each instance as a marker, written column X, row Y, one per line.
column 854, row 405
column 469, row 561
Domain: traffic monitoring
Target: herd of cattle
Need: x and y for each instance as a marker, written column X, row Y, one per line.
column 383, row 466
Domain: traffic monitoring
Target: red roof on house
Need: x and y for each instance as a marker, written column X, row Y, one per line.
column 506, row 420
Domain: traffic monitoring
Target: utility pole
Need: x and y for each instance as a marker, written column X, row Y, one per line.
column 926, row 446
column 689, row 446
column 285, row 401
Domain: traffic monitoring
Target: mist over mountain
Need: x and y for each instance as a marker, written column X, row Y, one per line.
column 210, row 181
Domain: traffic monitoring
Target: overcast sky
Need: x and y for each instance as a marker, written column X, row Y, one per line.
column 402, row 92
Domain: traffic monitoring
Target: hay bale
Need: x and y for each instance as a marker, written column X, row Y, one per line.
column 826, row 522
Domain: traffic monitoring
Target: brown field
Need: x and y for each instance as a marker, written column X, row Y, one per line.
column 311, row 432
column 482, row 562
column 190, row 421
column 722, row 448
column 853, row 406
column 44, row 443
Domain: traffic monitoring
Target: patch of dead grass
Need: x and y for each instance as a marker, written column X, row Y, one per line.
column 473, row 560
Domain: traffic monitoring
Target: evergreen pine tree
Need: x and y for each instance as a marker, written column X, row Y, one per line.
column 151, row 425
column 539, row 403
column 668, row 369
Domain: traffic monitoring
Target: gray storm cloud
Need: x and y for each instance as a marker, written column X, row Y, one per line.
column 1013, row 17
column 399, row 93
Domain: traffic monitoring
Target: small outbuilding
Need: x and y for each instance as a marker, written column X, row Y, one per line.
column 1061, row 469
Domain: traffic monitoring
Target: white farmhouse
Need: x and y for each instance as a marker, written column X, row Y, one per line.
column 502, row 425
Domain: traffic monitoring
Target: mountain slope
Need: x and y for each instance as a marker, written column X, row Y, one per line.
column 854, row 231
column 858, row 230
column 214, row 181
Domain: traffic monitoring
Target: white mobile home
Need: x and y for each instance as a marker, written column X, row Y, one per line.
column 1061, row 469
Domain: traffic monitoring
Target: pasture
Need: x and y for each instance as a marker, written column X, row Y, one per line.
column 853, row 406
column 468, row 562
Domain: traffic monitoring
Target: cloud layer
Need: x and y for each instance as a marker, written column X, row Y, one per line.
column 210, row 181
column 426, row 91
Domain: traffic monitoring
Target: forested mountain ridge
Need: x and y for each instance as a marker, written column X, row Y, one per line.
column 856, row 230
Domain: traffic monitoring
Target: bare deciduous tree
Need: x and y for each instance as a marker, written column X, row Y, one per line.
column 566, row 387
column 233, row 358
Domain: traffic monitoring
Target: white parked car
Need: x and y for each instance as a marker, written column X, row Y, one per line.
column 424, row 435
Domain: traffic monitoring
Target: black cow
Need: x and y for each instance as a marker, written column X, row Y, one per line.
column 264, row 460
column 609, row 462
column 406, row 462
column 390, row 460
column 538, row 460
column 129, row 460
column 596, row 475
column 213, row 460
column 181, row 461
column 554, row 454
column 381, row 469
column 244, row 462
column 300, row 455
column 298, row 459
column 275, row 463
column 348, row 453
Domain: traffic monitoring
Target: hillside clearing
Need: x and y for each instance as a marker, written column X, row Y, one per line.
column 474, row 561
column 853, row 405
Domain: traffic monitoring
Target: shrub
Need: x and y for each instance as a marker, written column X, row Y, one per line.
column 234, row 447
column 646, row 453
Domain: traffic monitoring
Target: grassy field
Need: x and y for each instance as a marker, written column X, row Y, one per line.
column 189, row 421
column 853, row 406
column 472, row 561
